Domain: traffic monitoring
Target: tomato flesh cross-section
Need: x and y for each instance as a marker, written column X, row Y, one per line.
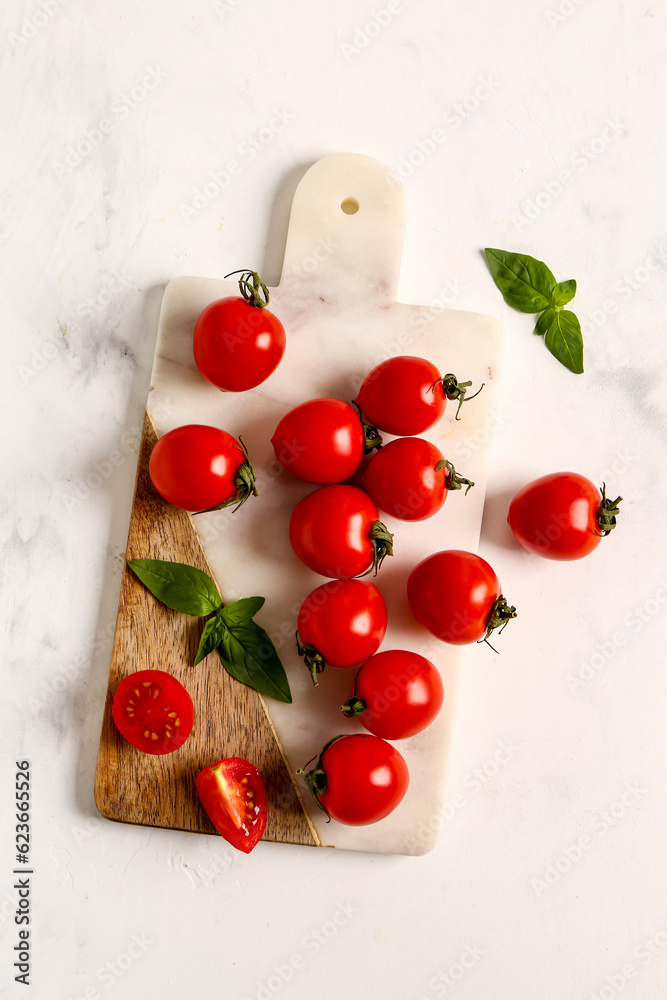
column 153, row 711
column 232, row 793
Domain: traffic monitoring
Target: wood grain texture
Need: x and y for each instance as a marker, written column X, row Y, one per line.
column 231, row 719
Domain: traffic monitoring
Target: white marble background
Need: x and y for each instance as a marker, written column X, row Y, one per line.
column 529, row 126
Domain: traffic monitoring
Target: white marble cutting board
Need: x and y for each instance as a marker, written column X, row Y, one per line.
column 337, row 301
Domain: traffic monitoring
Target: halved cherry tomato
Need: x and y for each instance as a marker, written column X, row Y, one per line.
column 336, row 531
column 407, row 395
column 197, row 467
column 410, row 478
column 340, row 624
column 153, row 711
column 358, row 779
column 396, row 694
column 562, row 516
column 321, row 441
column 237, row 342
column 457, row 597
column 232, row 793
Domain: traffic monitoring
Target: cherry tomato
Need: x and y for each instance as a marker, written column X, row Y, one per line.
column 562, row 516
column 237, row 342
column 456, row 596
column 197, row 467
column 233, row 795
column 358, row 779
column 153, row 711
column 396, row 694
column 340, row 624
column 407, row 395
column 335, row 531
column 321, row 441
column 410, row 478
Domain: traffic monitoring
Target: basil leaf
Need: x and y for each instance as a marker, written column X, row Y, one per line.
column 564, row 292
column 241, row 611
column 210, row 637
column 526, row 283
column 179, row 586
column 564, row 340
column 544, row 321
column 248, row 654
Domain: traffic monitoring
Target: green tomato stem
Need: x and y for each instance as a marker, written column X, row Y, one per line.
column 501, row 612
column 372, row 438
column 607, row 513
column 311, row 657
column 353, row 708
column 453, row 389
column 244, row 480
column 252, row 288
column 382, row 541
column 453, row 481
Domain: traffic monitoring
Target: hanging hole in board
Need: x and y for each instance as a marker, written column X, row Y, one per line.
column 350, row 206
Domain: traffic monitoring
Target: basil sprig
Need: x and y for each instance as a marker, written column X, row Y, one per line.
column 244, row 648
column 528, row 285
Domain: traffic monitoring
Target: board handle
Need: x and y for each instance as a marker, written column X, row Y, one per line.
column 346, row 229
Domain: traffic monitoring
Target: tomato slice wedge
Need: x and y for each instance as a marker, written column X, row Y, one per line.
column 153, row 711
column 233, row 795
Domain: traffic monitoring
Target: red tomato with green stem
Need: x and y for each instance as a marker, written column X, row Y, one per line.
column 340, row 624
column 322, row 441
column 233, row 795
column 198, row 468
column 237, row 342
column 336, row 531
column 396, row 694
column 358, row 779
column 410, row 478
column 407, row 395
column 457, row 596
column 562, row 516
column 153, row 711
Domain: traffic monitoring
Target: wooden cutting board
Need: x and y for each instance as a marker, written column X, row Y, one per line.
column 337, row 301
